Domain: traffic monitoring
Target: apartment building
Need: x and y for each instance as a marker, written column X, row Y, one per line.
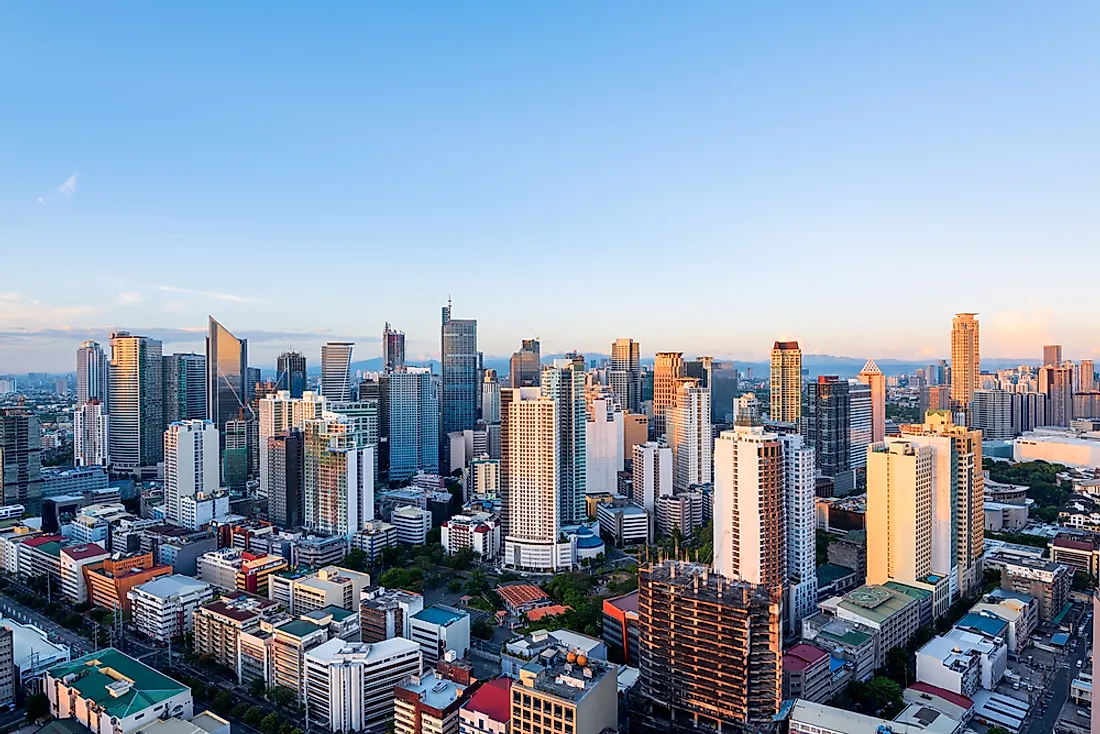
column 164, row 608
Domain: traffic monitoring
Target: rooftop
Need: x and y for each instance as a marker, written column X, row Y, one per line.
column 298, row 628
column 433, row 690
column 338, row 614
column 439, row 615
column 549, row 610
column 204, row 723
column 168, row 586
column 875, row 603
column 831, row 572
column 28, row 640
column 98, row 676
column 801, row 656
column 552, row 673
column 492, row 699
column 950, row 696
column 82, row 552
column 336, row 649
column 517, row 594
column 625, row 603
column 827, row 718
column 987, row 623
column 240, row 606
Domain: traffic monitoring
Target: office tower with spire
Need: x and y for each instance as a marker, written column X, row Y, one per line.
column 710, row 650
column 460, row 365
column 135, row 402
column 393, row 349
column 21, row 459
column 543, row 472
column 966, row 363
column 625, row 374
column 91, row 374
column 1052, row 355
column 958, row 499
column 336, row 371
column 91, row 434
column 1056, row 383
column 409, row 418
column 668, row 367
column 338, row 477
column 871, row 376
column 689, row 434
column 290, row 373
column 525, row 367
column 184, row 387
column 786, row 383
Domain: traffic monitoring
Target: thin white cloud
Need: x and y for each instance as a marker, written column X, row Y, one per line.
column 44, row 200
column 10, row 296
column 68, row 188
column 209, row 294
column 128, row 298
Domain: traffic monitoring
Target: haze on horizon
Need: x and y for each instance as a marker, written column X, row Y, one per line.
column 706, row 179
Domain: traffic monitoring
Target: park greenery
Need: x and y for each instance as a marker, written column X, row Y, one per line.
column 1041, row 480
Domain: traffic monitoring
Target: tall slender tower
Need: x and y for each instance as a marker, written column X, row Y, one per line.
column 689, row 434
column 20, row 459
column 1052, row 355
column 136, row 404
column 1057, row 384
column 871, row 376
column 899, row 512
column 290, row 370
column 800, row 509
column 965, row 360
column 625, row 375
column 393, row 349
column 190, row 467
column 1088, row 376
column 525, row 368
column 786, row 383
column 91, row 434
column 184, row 380
column 667, row 369
column 227, row 393
column 828, row 418
column 460, row 385
column 336, row 371
column 91, row 374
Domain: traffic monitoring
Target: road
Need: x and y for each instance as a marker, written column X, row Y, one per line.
column 1058, row 687
column 77, row 645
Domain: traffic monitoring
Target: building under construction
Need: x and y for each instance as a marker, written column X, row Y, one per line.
column 710, row 650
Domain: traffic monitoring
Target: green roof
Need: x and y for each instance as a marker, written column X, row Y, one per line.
column 855, row 536
column 298, row 628
column 52, row 548
column 98, row 670
column 338, row 613
column 875, row 603
column 830, row 572
column 855, row 638
column 913, row 591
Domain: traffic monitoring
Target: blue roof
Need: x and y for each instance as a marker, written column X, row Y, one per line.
column 588, row 541
column 836, row 664
column 1060, row 639
column 989, row 625
column 438, row 615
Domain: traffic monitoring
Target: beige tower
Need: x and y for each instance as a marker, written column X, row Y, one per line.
column 899, row 512
column 786, row 383
column 871, row 376
column 965, row 359
column 689, row 434
column 667, row 369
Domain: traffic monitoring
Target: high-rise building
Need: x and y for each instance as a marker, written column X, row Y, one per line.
column 336, row 371
column 723, row 391
column 460, row 376
column 290, row 373
column 1088, row 376
column 393, row 349
column 20, row 459
column 285, row 478
column 1056, row 383
column 1029, row 411
column 1052, row 355
column 184, row 387
column 91, row 373
column 543, row 469
column 227, row 392
column 871, row 376
column 991, row 413
column 899, row 512
column 135, row 402
column 1086, row 404
column 91, row 434
column 934, row 397
column 191, row 474
column 860, row 423
column 750, row 540
column 702, row 369
column 625, row 374
column 958, row 502
column 652, row 474
column 710, row 649
column 800, row 511
column 667, row 369
column 525, row 367
column 279, row 413
column 604, row 441
column 338, row 484
column 786, row 383
column 689, row 434
column 490, row 397
column 240, row 442
column 746, row 411
column 409, row 418
column 827, row 424
column 966, row 360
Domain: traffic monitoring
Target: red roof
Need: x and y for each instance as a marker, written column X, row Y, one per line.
column 551, row 610
column 802, row 656
column 42, row 539
column 516, row 594
column 80, row 552
column 950, row 696
column 1061, row 541
column 493, row 699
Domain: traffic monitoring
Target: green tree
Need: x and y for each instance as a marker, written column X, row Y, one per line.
column 256, row 687
column 271, row 724
column 222, row 702
column 482, row 630
column 478, row 582
column 38, row 706
column 239, row 711
column 897, row 666
column 454, row 585
column 884, row 693
column 282, row 696
column 355, row 560
column 253, row 716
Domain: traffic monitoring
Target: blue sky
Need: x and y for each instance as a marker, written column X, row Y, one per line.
column 706, row 177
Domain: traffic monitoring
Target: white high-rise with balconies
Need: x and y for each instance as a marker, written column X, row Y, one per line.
column 801, row 516
column 91, row 374
column 190, row 469
column 652, row 468
column 689, row 434
column 91, row 437
column 278, row 413
column 604, row 444
column 336, row 371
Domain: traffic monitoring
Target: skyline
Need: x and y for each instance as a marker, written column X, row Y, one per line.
column 850, row 177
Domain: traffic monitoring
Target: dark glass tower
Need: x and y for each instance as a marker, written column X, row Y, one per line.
column 184, row 378
column 226, row 383
column 291, row 370
column 459, row 372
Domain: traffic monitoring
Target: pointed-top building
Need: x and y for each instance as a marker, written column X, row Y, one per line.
column 872, row 376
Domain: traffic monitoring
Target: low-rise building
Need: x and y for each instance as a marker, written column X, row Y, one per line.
column 109, row 582
column 339, row 622
column 624, row 521
column 479, row 532
column 72, row 561
column 807, row 717
column 375, row 537
column 230, row 568
column 568, row 692
column 218, row 624
column 112, row 693
column 290, row 643
column 1005, row 517
column 387, row 613
column 427, row 704
column 438, row 629
column 1019, row 610
column 893, row 615
column 962, row 662
column 165, row 607
column 681, row 512
column 850, row 550
column 317, row 551
column 1047, row 581
column 350, row 685
column 412, row 524
column 32, row 651
column 807, row 673
column 844, row 640
column 175, row 546
column 1080, row 551
column 522, row 649
column 488, row 709
column 303, row 591
column 620, row 627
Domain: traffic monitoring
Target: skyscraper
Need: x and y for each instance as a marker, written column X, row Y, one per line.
column 1056, row 383
column 336, row 371
column 786, row 383
column 91, row 374
column 91, row 434
column 290, row 371
column 992, row 414
column 460, row 385
column 652, row 474
column 285, row 478
column 667, row 369
column 227, row 391
column 710, row 649
column 184, row 387
column 800, row 510
column 702, row 369
column 338, row 477
column 625, row 374
column 860, row 424
column 1088, row 376
column 965, row 360
column 393, row 349
column 490, row 397
column 190, row 468
column 525, row 367
column 723, row 391
column 934, row 397
column 409, row 418
column 20, row 459
column 136, row 402
column 280, row 413
column 827, row 424
column 899, row 512
column 604, row 443
column 1052, row 355
column 689, row 434
column 871, row 376
column 1029, row 410
column 564, row 384
column 750, row 541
